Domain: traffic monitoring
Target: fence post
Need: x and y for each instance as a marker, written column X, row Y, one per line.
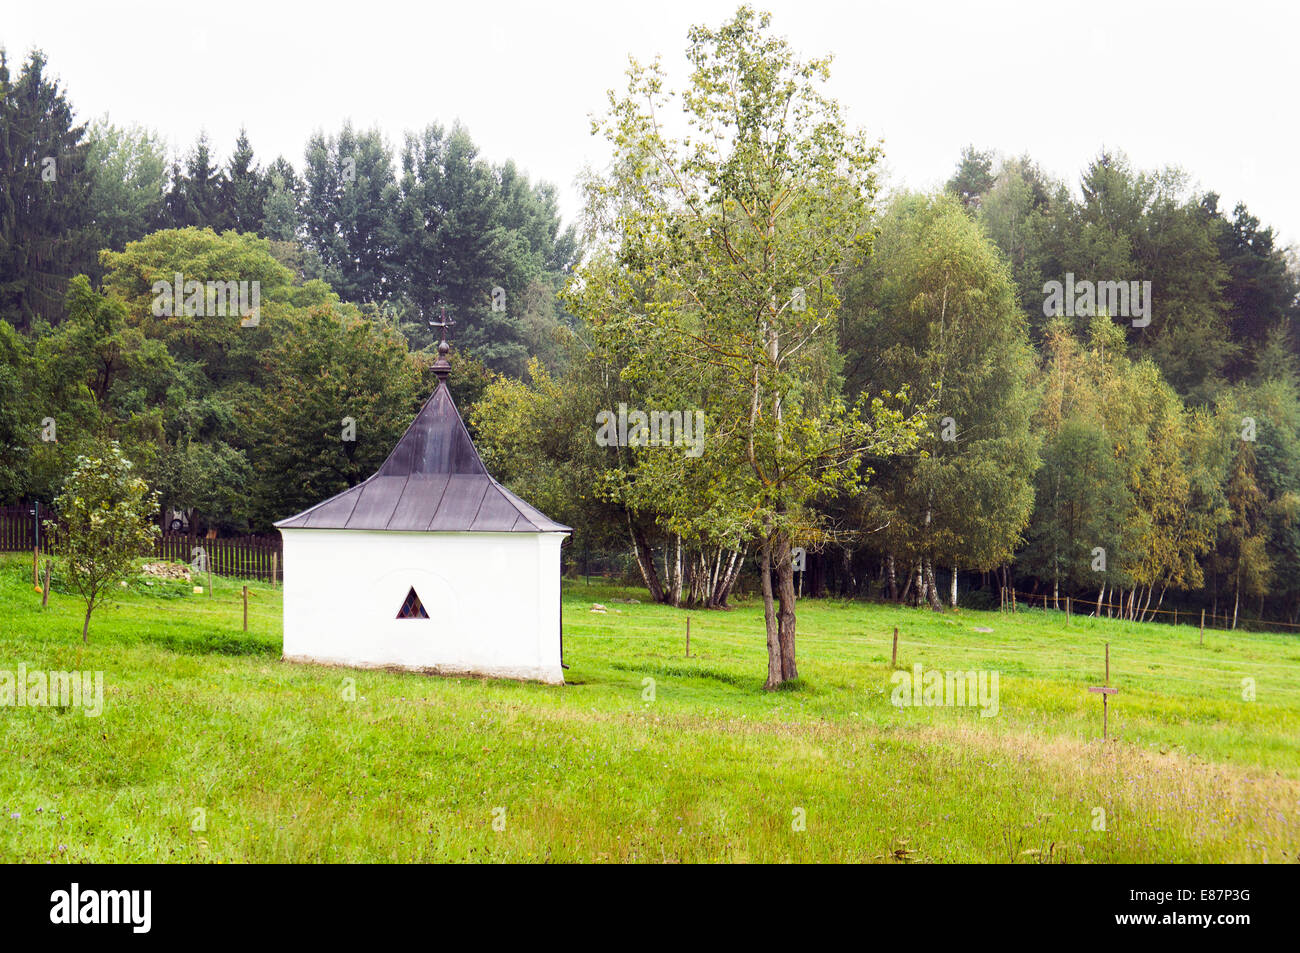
column 893, row 663
column 245, row 608
column 1202, row 626
column 1104, row 706
column 688, row 635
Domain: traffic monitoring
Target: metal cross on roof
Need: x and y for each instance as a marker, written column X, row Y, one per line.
column 442, row 366
column 444, row 324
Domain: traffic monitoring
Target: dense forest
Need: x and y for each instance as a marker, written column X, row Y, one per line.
column 1131, row 438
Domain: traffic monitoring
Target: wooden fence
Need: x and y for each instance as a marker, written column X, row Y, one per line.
column 244, row 557
column 18, row 529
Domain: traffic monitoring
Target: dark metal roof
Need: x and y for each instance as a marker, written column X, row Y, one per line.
column 433, row 481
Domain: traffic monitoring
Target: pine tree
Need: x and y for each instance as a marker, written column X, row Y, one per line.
column 243, row 190
column 281, row 209
column 45, row 231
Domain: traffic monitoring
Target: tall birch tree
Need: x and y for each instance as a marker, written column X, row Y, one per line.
column 730, row 212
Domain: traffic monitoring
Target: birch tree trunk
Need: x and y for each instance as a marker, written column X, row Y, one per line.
column 931, row 589
column 645, row 561
column 1236, row 598
column 723, row 588
column 714, row 578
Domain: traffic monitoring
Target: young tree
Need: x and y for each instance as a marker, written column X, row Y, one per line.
column 1080, row 506
column 934, row 312
column 1245, row 535
column 105, row 514
column 727, row 243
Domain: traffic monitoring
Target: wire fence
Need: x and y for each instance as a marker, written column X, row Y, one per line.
column 1135, row 663
column 1134, row 612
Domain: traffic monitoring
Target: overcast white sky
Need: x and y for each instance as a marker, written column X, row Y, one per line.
column 1210, row 87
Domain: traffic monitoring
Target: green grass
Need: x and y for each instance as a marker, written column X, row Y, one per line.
column 200, row 716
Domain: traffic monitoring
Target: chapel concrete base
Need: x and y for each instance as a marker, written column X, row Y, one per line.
column 547, row 676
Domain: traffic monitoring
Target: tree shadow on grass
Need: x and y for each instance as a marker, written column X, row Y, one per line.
column 746, row 682
column 213, row 644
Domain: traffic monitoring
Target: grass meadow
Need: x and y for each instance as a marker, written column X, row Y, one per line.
column 211, row 749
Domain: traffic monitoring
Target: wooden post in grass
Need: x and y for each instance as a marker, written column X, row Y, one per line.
column 1202, row 626
column 688, row 636
column 893, row 662
column 1104, row 691
column 245, row 608
column 45, row 593
column 1067, row 608
column 275, row 569
column 209, row 577
column 36, row 565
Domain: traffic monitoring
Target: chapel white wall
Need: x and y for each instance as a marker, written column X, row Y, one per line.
column 493, row 601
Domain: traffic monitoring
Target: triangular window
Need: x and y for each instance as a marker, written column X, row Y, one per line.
column 412, row 608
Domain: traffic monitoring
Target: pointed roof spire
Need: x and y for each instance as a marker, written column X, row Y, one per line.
column 433, row 481
column 442, row 366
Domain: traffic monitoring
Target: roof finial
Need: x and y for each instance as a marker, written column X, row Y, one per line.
column 442, row 366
